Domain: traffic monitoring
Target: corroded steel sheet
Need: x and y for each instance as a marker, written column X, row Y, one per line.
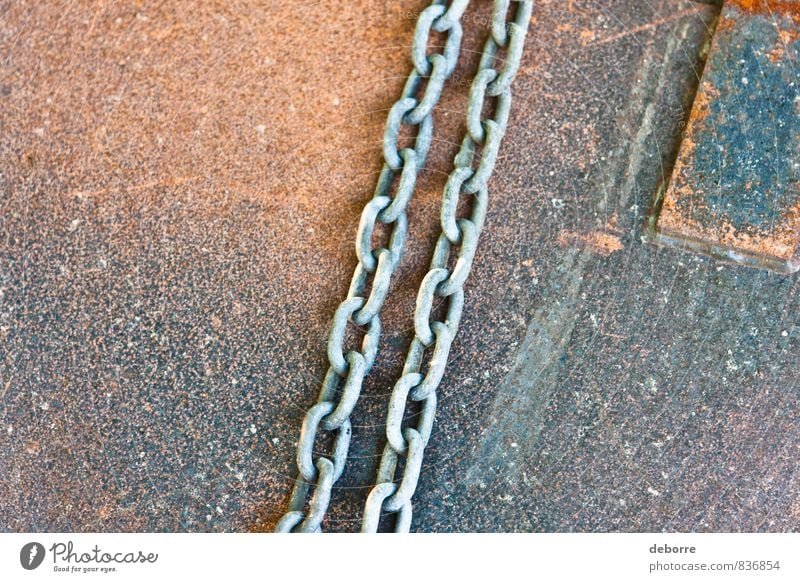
column 180, row 186
column 735, row 189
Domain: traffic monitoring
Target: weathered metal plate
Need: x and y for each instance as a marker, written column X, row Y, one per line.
column 180, row 184
column 734, row 191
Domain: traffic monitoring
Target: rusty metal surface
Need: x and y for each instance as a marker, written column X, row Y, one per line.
column 180, row 188
column 735, row 190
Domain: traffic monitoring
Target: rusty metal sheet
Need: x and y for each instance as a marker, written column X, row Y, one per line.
column 180, row 185
column 735, row 189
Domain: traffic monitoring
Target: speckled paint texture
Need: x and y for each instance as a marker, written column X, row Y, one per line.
column 180, row 186
column 735, row 191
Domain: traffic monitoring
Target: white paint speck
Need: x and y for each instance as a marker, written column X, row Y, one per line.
column 261, row 128
column 253, row 429
column 784, row 333
column 653, row 492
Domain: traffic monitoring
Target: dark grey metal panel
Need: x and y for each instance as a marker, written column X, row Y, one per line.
column 735, row 189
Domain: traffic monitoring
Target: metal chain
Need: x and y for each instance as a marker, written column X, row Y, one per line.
column 408, row 442
column 342, row 384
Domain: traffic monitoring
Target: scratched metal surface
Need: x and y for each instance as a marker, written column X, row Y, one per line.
column 735, row 189
column 180, row 189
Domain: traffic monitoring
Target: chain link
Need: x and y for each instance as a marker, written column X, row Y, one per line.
column 409, row 443
column 375, row 268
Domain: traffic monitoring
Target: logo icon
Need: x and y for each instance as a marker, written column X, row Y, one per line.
column 31, row 555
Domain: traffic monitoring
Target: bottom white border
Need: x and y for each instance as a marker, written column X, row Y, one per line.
column 420, row 557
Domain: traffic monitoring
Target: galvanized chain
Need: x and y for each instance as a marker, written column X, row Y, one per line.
column 342, row 384
column 408, row 442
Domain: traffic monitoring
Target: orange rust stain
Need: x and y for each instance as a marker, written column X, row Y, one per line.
column 767, row 6
column 599, row 242
column 786, row 37
column 780, row 242
column 32, row 447
column 699, row 112
column 702, row 104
